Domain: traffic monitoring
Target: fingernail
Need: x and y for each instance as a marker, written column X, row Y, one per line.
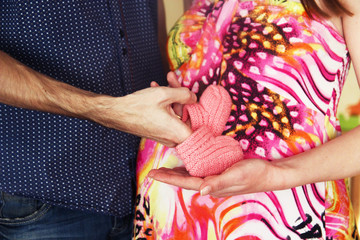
column 205, row 191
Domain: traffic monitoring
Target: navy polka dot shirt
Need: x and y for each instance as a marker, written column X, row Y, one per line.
column 108, row 47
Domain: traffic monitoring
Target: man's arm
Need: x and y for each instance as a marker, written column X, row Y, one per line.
column 146, row 113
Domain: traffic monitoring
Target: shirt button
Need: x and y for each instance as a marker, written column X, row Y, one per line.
column 122, row 34
column 124, row 51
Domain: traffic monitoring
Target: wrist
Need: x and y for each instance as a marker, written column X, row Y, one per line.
column 68, row 100
column 98, row 108
column 292, row 172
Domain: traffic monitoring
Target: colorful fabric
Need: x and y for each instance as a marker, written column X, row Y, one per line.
column 284, row 72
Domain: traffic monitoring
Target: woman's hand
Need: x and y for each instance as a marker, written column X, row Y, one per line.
column 246, row 176
column 178, row 176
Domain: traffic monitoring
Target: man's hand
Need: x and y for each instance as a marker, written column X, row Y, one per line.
column 146, row 113
column 173, row 83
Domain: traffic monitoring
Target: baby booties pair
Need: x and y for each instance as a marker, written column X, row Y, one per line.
column 206, row 152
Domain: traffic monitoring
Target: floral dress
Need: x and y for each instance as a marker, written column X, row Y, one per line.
column 284, row 72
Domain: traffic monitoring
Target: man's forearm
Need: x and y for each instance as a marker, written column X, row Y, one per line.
column 145, row 113
column 23, row 87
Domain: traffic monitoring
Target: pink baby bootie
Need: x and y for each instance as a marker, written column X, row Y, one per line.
column 207, row 152
column 213, row 110
column 204, row 154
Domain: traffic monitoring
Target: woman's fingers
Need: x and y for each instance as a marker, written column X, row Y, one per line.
column 177, row 176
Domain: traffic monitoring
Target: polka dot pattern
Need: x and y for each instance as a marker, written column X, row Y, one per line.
column 108, row 47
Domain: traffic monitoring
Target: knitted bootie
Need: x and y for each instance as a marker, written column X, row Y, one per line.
column 204, row 154
column 213, row 110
